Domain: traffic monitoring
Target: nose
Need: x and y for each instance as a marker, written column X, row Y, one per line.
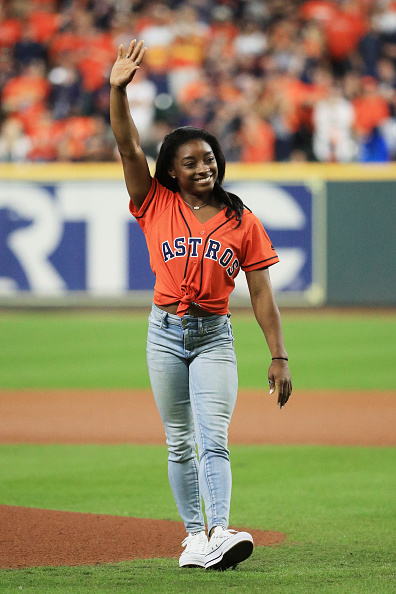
column 203, row 168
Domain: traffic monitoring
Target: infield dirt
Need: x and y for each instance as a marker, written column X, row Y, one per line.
column 34, row 537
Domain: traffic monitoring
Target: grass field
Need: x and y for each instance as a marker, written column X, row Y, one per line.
column 349, row 351
column 336, row 505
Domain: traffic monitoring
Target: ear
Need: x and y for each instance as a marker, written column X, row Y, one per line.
column 172, row 174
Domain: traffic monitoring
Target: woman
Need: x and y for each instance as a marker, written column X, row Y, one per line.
column 198, row 236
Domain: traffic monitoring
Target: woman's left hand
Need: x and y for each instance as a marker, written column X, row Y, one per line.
column 279, row 377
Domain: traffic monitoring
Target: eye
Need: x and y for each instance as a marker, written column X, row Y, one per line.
column 189, row 165
column 210, row 159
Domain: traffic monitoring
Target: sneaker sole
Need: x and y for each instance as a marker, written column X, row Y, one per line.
column 192, row 566
column 237, row 553
column 192, row 561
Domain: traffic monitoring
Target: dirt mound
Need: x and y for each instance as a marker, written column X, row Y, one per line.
column 38, row 537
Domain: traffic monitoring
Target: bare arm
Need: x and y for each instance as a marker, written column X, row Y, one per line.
column 268, row 317
column 136, row 171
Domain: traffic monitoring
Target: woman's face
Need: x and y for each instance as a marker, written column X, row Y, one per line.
column 195, row 168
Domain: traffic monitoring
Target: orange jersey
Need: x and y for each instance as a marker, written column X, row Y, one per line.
column 197, row 262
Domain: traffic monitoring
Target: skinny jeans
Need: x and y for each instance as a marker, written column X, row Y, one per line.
column 193, row 374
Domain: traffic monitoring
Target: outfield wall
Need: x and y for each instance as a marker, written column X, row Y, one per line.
column 67, row 238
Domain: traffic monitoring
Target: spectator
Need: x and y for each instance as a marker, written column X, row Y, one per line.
column 321, row 11
column 100, row 144
column 155, row 27
column 76, row 134
column 257, row 140
column 333, row 127
column 370, row 48
column 45, row 135
column 26, row 95
column 187, row 50
column 209, row 62
column 15, row 145
column 66, row 94
column 141, row 99
column 10, row 27
column 44, row 22
column 7, row 66
column 343, row 34
column 27, row 49
column 373, row 148
column 371, row 113
column 371, row 109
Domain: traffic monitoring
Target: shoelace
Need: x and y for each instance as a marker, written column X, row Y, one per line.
column 225, row 533
column 196, row 540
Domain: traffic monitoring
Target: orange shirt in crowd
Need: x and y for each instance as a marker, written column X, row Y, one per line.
column 76, row 131
column 196, row 89
column 44, row 25
column 65, row 42
column 45, row 136
column 323, row 11
column 95, row 61
column 258, row 141
column 22, row 92
column 94, row 56
column 10, row 32
column 296, row 95
column 221, row 36
column 343, row 34
column 370, row 112
column 200, row 89
column 226, row 30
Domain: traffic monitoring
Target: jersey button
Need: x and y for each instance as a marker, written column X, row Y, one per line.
column 202, row 232
column 194, row 261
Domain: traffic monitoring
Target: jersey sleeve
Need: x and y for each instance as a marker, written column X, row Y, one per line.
column 153, row 206
column 258, row 251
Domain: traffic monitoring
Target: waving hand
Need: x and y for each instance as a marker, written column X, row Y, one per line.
column 126, row 65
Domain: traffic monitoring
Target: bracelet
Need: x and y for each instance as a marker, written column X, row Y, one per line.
column 284, row 358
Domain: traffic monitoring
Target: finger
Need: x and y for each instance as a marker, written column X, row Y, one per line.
column 130, row 48
column 138, row 52
column 140, row 57
column 284, row 394
column 271, row 383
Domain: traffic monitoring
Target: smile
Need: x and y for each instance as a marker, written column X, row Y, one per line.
column 203, row 180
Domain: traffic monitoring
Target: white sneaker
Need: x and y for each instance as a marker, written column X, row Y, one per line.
column 195, row 549
column 227, row 548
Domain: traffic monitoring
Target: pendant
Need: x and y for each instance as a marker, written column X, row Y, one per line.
column 196, row 207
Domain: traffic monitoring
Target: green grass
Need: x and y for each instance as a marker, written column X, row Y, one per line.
column 72, row 350
column 336, row 506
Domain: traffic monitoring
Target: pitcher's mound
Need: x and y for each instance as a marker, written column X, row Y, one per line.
column 38, row 537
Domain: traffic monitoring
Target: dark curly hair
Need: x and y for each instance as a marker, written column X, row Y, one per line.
column 167, row 153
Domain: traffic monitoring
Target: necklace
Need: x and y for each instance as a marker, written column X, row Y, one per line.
column 197, row 207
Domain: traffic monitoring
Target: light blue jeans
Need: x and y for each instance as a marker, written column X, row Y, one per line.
column 193, row 374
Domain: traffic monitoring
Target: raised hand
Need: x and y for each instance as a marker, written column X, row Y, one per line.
column 126, row 65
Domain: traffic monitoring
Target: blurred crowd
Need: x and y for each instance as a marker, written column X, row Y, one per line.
column 274, row 80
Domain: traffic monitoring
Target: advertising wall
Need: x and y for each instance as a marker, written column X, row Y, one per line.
column 66, row 234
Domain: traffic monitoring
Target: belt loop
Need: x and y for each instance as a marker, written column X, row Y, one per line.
column 164, row 320
column 200, row 326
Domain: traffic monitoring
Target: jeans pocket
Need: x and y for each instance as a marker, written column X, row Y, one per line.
column 216, row 328
column 154, row 322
